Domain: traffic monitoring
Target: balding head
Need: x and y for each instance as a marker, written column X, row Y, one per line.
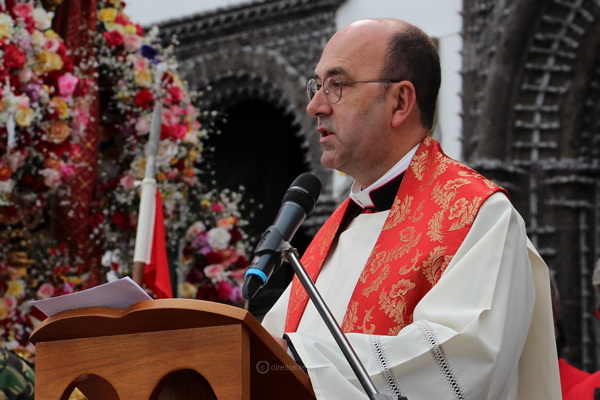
column 402, row 51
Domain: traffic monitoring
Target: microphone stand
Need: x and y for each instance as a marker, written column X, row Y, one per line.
column 290, row 254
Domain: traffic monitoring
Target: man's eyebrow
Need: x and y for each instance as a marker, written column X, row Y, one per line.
column 333, row 71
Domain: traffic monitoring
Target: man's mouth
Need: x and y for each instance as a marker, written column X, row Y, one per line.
column 324, row 132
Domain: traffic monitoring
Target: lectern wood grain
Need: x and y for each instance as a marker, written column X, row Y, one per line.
column 128, row 351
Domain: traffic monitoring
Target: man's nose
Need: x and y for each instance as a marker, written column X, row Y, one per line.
column 318, row 105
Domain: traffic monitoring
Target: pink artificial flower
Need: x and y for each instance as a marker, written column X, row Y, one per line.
column 172, row 174
column 23, row 10
column 16, row 160
column 170, row 116
column 23, row 101
column 52, row 44
column 75, row 151
column 67, row 288
column 10, row 302
column 217, row 207
column 236, row 294
column 67, row 84
column 132, row 43
column 25, row 75
column 45, row 291
column 239, row 274
column 142, row 126
column 68, row 170
column 140, row 62
column 215, row 272
column 127, row 181
column 80, row 118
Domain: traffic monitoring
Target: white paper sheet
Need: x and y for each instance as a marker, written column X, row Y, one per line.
column 117, row 294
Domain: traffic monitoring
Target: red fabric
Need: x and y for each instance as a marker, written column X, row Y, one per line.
column 433, row 212
column 576, row 384
column 156, row 274
column 75, row 22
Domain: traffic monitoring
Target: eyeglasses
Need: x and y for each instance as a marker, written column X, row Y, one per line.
column 332, row 85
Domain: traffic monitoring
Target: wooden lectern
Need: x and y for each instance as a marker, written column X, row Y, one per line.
column 163, row 349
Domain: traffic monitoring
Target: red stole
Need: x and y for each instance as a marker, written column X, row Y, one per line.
column 434, row 209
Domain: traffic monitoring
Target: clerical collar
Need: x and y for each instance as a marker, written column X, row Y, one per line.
column 380, row 195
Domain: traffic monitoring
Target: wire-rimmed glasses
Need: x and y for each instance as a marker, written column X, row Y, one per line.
column 332, row 86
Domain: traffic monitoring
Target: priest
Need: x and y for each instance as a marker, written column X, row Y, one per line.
column 426, row 265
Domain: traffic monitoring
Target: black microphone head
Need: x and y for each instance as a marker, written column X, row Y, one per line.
column 304, row 191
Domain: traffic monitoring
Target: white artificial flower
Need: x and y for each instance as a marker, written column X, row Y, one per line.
column 51, row 177
column 194, row 230
column 218, row 238
column 7, row 186
column 43, row 19
column 38, row 39
column 166, row 151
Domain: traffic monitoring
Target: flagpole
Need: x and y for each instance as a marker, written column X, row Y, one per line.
column 147, row 210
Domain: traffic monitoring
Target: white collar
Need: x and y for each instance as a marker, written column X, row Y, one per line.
column 363, row 197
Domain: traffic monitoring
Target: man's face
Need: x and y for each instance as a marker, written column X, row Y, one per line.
column 354, row 131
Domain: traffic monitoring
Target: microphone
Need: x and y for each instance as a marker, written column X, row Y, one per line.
column 298, row 202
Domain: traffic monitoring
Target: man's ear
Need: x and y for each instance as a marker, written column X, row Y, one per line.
column 405, row 102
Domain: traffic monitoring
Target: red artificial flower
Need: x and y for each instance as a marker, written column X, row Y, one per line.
column 178, row 131
column 224, row 290
column 236, row 235
column 120, row 219
column 96, row 219
column 213, row 257
column 174, row 94
column 241, row 262
column 167, row 79
column 144, row 98
column 121, row 19
column 139, row 30
column 207, row 292
column 113, row 38
column 14, row 58
column 166, row 131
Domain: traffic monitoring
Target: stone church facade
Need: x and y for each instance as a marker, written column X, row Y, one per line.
column 531, row 83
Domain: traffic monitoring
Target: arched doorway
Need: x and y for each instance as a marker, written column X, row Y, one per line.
column 260, row 149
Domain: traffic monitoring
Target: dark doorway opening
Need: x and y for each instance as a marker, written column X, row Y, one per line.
column 260, row 149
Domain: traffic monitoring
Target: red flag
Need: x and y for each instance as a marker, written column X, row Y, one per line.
column 157, row 275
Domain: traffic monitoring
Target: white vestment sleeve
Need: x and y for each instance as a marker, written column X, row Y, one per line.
column 484, row 331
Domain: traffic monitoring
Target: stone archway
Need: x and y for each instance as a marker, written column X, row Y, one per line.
column 252, row 62
column 530, row 122
column 278, row 43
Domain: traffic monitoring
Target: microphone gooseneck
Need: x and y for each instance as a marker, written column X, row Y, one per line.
column 298, row 202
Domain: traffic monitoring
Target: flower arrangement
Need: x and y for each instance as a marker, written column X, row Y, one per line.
column 214, row 261
column 16, row 323
column 43, row 103
column 135, row 73
column 42, row 110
